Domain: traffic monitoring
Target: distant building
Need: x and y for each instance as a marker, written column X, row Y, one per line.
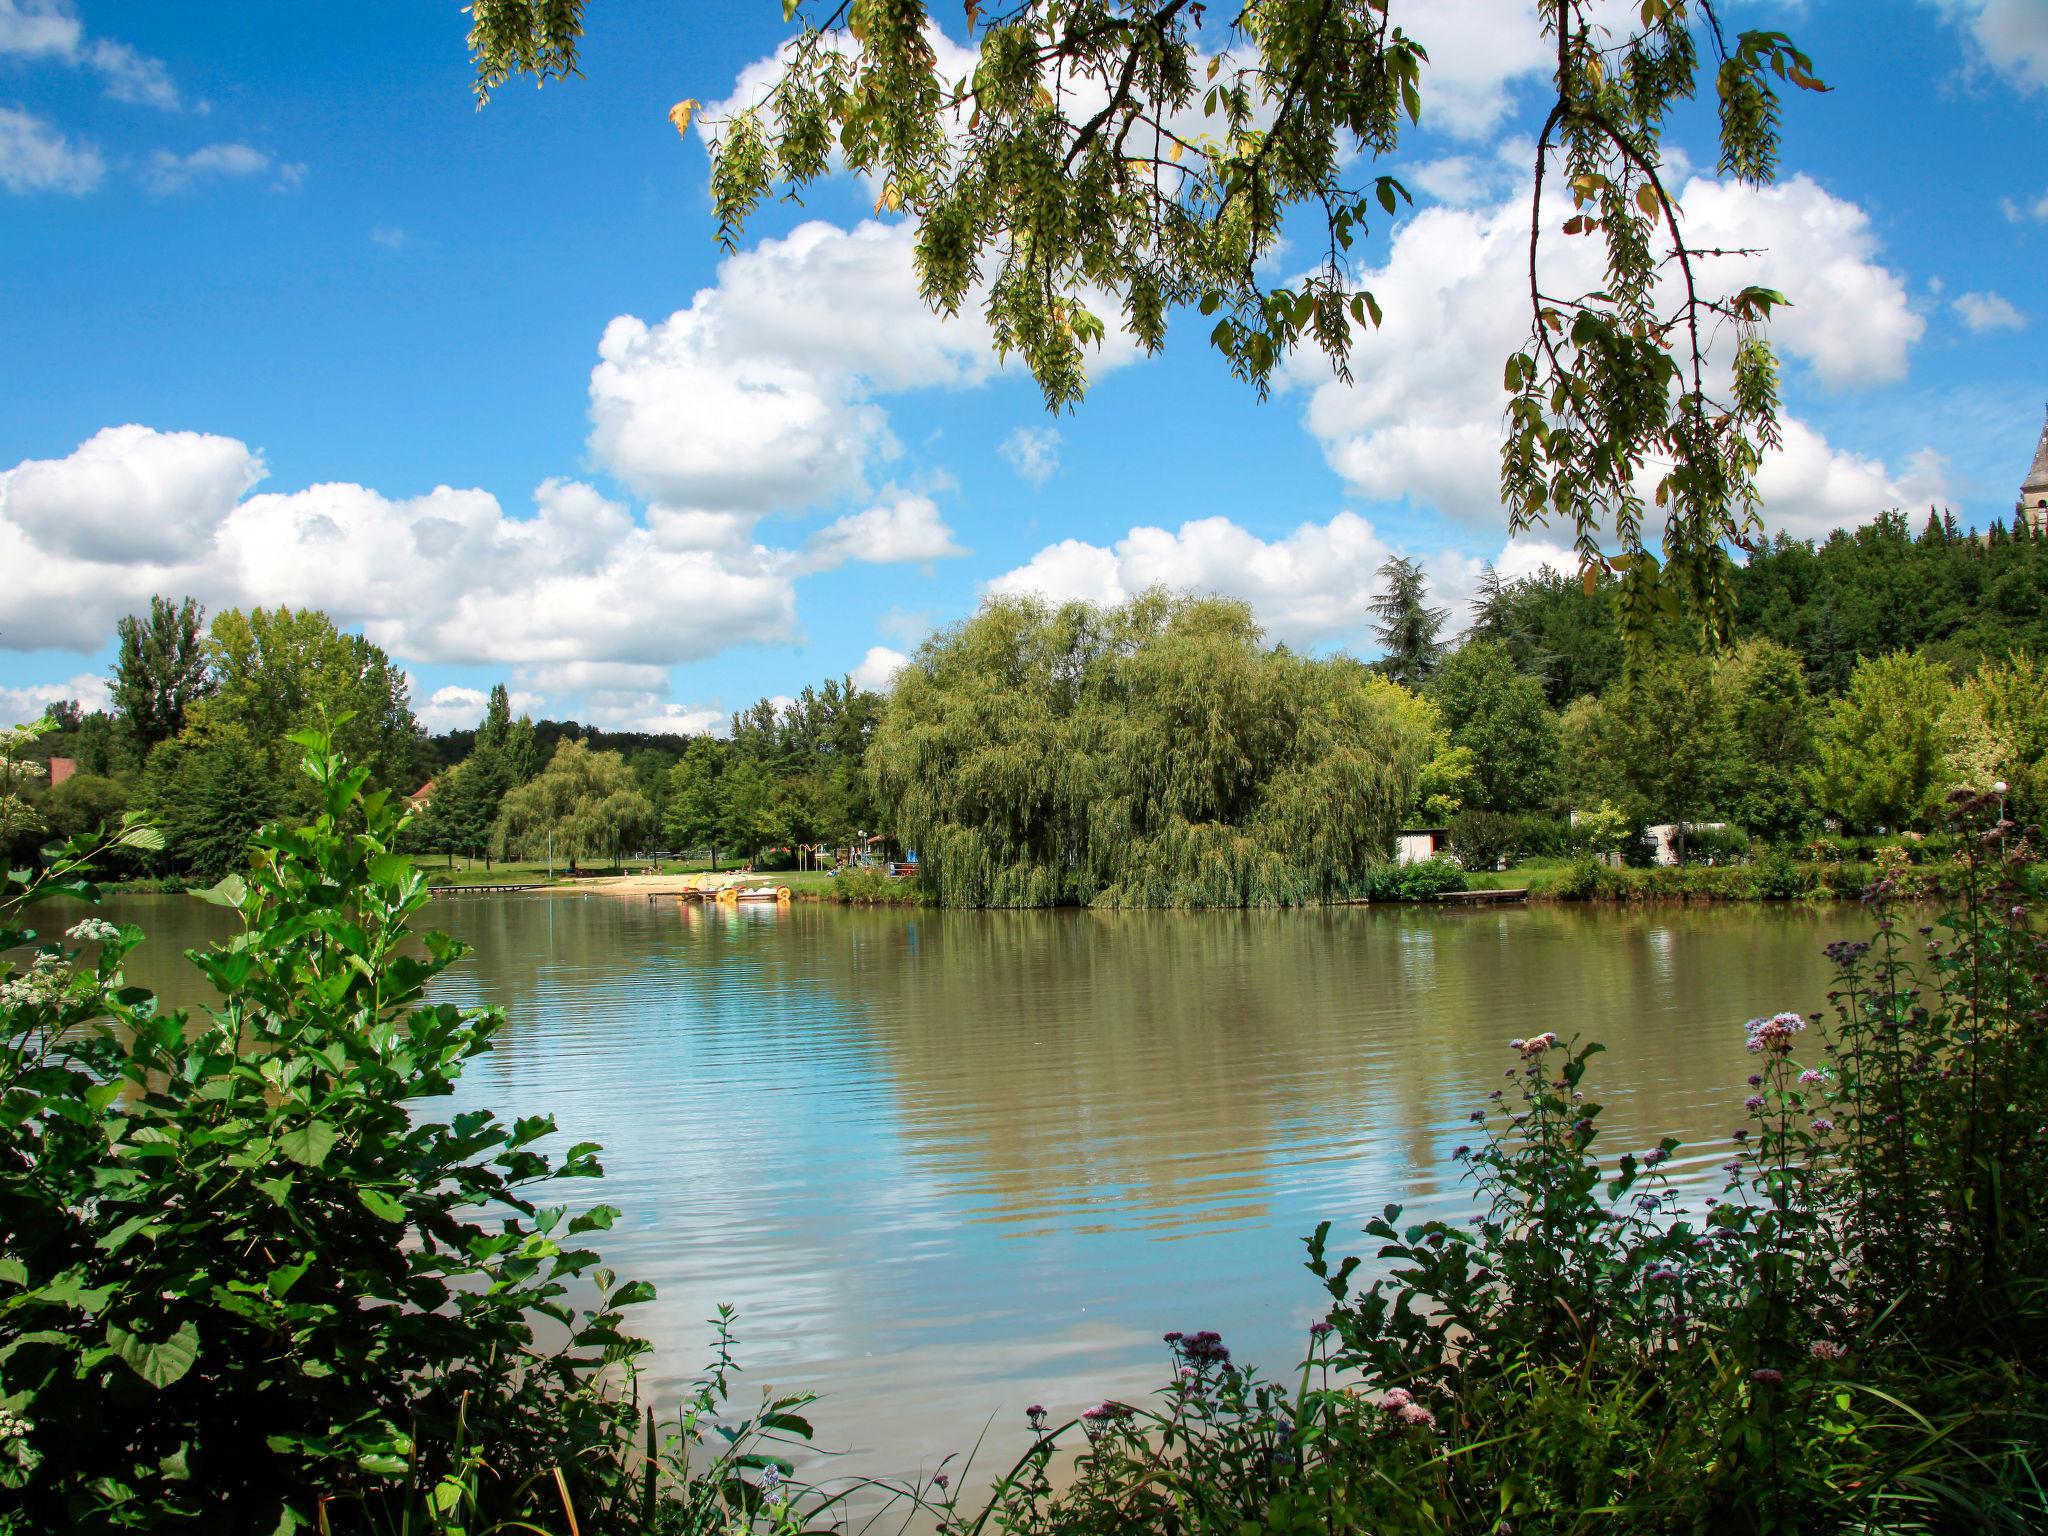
column 61, row 768
column 420, row 797
column 2034, row 489
column 1663, row 839
column 1418, row 845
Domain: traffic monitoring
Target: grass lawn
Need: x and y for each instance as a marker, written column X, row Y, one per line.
column 1532, row 875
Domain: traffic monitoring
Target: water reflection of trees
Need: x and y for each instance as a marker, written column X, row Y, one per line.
column 899, row 1138
column 1044, row 1061
column 1176, row 1054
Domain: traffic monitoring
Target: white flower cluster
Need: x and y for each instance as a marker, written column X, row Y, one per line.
column 93, row 930
column 40, row 982
column 12, row 1425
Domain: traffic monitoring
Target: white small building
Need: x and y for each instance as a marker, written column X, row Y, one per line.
column 1663, row 838
column 1418, row 845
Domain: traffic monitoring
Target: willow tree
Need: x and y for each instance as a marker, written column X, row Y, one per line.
column 583, row 805
column 1116, row 162
column 1153, row 754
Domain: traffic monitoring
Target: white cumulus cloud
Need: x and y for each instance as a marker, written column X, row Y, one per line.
column 1478, row 49
column 1982, row 312
column 446, row 576
column 39, row 29
column 2007, row 37
column 168, row 172
column 759, row 395
column 131, row 77
column 130, row 495
column 49, row 30
column 1312, row 586
column 1422, row 417
column 904, row 529
column 878, row 669
column 21, row 705
column 451, row 708
column 35, row 157
column 1810, row 488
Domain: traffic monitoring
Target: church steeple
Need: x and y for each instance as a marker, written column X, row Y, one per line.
column 2034, row 489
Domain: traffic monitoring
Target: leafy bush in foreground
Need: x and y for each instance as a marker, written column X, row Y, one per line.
column 244, row 1285
column 1848, row 1338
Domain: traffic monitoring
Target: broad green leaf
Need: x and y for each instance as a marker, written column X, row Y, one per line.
column 309, row 1144
column 381, row 1205
column 158, row 1362
column 231, row 892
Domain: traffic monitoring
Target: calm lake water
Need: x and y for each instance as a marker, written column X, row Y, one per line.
column 950, row 1164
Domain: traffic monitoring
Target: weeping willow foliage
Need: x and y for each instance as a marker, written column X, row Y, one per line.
column 1156, row 754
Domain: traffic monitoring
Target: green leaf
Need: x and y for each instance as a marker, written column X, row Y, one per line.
column 159, row 1363
column 309, row 1145
column 231, row 892
column 381, row 1205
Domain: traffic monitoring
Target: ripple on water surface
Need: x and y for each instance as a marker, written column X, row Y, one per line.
column 947, row 1164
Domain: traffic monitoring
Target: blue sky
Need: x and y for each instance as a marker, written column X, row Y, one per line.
column 283, row 318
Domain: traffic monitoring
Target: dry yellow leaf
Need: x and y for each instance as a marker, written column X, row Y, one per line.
column 679, row 114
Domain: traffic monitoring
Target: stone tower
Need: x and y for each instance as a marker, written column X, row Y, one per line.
column 2034, row 489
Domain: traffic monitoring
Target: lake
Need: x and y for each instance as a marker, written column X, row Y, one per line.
column 950, row 1164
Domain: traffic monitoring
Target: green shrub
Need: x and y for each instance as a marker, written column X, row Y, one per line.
column 1777, row 875
column 247, row 1275
column 1421, row 881
column 1545, row 837
column 1718, row 845
column 1848, row 1338
column 1428, row 879
column 1580, row 880
column 873, row 888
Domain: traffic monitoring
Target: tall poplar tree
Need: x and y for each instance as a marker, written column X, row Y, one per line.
column 161, row 669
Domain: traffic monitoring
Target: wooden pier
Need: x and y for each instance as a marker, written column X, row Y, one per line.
column 481, row 890
column 1484, row 898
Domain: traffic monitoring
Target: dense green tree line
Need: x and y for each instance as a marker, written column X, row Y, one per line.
column 1956, row 595
column 202, row 712
column 198, row 733
column 1870, row 673
column 1041, row 756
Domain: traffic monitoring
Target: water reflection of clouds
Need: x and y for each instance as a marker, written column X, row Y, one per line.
column 957, row 1162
